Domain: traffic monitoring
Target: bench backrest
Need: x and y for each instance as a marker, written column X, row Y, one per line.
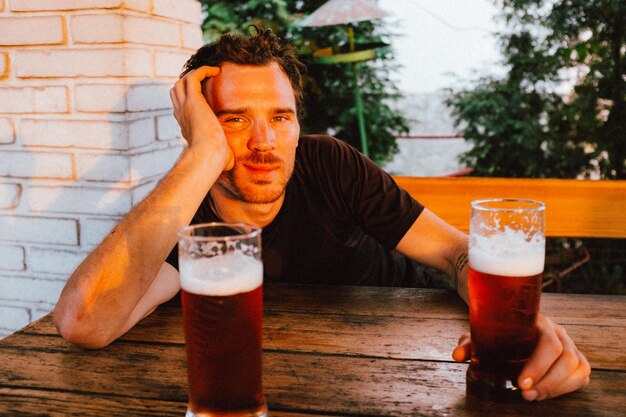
column 574, row 208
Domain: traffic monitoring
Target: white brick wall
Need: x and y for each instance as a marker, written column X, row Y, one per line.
column 4, row 64
column 61, row 63
column 7, row 131
column 45, row 30
column 33, row 99
column 10, row 195
column 12, row 258
column 86, row 131
column 36, row 164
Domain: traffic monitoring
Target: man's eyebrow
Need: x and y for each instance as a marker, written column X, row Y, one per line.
column 279, row 110
column 244, row 110
column 241, row 110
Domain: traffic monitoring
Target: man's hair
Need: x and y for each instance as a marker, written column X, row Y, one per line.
column 260, row 48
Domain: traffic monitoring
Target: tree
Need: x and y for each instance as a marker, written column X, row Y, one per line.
column 520, row 125
column 328, row 89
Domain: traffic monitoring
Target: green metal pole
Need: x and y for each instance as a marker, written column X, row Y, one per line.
column 357, row 96
column 359, row 109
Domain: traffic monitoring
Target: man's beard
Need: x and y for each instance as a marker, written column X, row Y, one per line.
column 255, row 191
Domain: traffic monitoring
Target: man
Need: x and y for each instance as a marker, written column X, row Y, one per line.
column 328, row 213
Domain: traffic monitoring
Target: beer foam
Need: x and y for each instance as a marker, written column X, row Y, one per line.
column 228, row 274
column 508, row 254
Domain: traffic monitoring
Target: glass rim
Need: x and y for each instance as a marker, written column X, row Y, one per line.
column 185, row 232
column 534, row 205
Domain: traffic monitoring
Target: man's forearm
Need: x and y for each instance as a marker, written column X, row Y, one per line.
column 108, row 284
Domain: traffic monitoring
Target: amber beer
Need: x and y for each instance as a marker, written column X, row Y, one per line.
column 506, row 259
column 222, row 313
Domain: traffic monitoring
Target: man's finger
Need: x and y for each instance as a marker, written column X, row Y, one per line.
column 193, row 79
column 463, row 350
column 552, row 386
column 549, row 348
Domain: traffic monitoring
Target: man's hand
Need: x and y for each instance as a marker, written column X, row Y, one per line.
column 556, row 367
column 197, row 121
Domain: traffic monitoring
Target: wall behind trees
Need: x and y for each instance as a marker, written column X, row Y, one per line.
column 86, row 130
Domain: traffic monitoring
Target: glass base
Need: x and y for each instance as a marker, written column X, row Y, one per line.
column 261, row 412
column 493, row 385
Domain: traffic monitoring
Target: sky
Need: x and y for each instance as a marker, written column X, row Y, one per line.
column 439, row 38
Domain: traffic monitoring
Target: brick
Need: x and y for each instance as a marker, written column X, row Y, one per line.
column 12, row 258
column 27, row 289
column 97, row 28
column 41, row 5
column 167, row 128
column 36, row 30
column 116, row 28
column 27, row 164
column 13, row 318
column 93, row 230
column 80, row 200
column 58, row 231
column 103, row 167
column 151, row 31
column 10, row 195
column 4, row 64
column 140, row 192
column 7, row 131
column 97, row 134
column 169, row 64
column 192, row 36
column 139, row 5
column 54, row 261
column 106, row 62
column 153, row 163
column 33, row 100
column 186, row 10
column 149, row 97
column 110, row 98
column 141, row 132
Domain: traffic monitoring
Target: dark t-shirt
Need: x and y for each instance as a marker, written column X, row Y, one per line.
column 340, row 221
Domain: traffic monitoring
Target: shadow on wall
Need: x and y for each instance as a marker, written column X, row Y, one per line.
column 66, row 179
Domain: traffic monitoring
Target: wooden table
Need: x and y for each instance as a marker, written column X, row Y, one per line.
column 329, row 351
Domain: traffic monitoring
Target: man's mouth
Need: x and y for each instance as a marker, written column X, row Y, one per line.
column 260, row 169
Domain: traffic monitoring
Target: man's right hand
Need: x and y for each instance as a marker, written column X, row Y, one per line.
column 197, row 121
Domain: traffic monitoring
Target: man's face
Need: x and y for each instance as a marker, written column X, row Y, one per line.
column 256, row 107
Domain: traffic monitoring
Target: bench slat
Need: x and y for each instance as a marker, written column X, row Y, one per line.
column 574, row 208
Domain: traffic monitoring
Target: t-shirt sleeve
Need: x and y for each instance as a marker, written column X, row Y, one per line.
column 367, row 194
column 172, row 258
column 385, row 210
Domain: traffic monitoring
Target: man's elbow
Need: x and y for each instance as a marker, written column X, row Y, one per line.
column 75, row 329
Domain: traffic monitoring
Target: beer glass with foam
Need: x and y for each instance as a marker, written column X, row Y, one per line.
column 506, row 260
column 221, row 275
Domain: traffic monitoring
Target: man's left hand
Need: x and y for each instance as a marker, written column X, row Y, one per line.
column 556, row 367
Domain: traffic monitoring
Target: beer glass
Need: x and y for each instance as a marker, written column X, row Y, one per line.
column 506, row 260
column 221, row 275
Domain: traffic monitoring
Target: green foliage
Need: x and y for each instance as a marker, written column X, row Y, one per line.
column 328, row 89
column 519, row 125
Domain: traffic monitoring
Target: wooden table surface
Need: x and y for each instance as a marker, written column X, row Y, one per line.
column 328, row 351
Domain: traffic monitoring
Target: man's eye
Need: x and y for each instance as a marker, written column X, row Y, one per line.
column 280, row 118
column 234, row 120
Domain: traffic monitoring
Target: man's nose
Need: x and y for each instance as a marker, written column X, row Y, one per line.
column 262, row 138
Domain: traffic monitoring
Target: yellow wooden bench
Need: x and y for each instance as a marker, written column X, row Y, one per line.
column 574, row 208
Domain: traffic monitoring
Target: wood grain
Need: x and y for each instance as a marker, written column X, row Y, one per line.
column 574, row 208
column 328, row 351
column 325, row 383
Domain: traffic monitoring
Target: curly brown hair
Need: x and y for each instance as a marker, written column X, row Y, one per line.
column 258, row 49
